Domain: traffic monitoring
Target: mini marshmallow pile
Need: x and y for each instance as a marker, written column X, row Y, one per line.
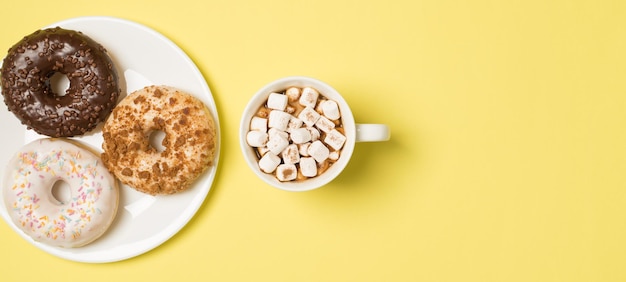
column 290, row 141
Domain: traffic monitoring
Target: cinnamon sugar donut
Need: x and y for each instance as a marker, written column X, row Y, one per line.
column 190, row 140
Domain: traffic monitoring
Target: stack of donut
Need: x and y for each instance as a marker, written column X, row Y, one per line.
column 92, row 99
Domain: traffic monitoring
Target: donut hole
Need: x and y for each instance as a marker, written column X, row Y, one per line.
column 61, row 192
column 59, row 83
column 156, row 138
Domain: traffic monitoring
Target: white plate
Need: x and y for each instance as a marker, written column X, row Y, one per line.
column 142, row 57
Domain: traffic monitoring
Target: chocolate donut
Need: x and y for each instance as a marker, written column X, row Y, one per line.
column 93, row 89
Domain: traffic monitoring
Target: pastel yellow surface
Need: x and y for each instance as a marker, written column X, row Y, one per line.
column 507, row 160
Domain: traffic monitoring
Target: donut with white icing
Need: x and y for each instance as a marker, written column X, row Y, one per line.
column 27, row 191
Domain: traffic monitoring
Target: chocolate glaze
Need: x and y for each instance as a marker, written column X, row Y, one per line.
column 27, row 91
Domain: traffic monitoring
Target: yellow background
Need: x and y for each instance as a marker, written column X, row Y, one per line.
column 507, row 160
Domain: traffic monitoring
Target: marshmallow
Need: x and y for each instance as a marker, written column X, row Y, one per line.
column 294, row 123
column 277, row 101
column 300, row 135
column 333, row 156
column 330, row 109
column 256, row 138
column 318, row 108
column 324, row 124
column 273, row 132
column 286, row 172
column 304, row 149
column 308, row 97
column 315, row 134
column 262, row 150
column 318, row 151
column 259, row 124
column 293, row 94
column 308, row 167
column 269, row 162
column 335, row 139
column 308, row 115
column 277, row 143
column 291, row 155
column 279, row 120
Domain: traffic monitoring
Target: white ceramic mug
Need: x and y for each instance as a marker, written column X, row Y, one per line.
column 354, row 132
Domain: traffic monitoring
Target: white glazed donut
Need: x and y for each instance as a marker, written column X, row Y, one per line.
column 27, row 191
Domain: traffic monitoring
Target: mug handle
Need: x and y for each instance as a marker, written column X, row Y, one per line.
column 371, row 132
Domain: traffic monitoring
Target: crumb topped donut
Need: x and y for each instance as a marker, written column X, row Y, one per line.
column 189, row 142
column 28, row 192
column 93, row 82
